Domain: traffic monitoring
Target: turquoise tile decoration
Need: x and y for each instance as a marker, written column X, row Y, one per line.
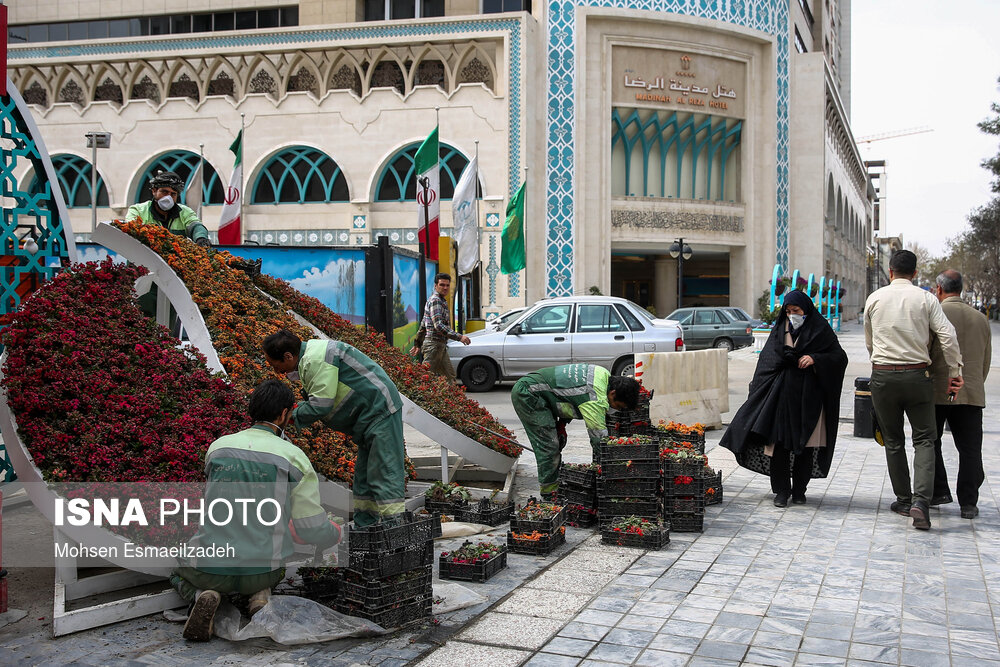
column 768, row 16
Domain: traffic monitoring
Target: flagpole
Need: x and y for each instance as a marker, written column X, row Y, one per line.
column 201, row 167
column 243, row 143
column 524, row 231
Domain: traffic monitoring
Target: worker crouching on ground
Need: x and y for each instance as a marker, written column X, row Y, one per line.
column 350, row 393
column 255, row 463
column 549, row 398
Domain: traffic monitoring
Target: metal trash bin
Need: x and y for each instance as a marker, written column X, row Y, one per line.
column 863, row 409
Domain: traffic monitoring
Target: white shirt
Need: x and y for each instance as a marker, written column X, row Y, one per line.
column 900, row 320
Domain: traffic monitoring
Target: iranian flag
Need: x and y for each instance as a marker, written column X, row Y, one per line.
column 429, row 199
column 230, row 231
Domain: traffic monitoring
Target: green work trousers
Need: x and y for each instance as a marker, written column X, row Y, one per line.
column 540, row 425
column 187, row 581
column 380, row 471
column 909, row 392
column 435, row 351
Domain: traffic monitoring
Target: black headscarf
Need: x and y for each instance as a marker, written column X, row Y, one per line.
column 785, row 401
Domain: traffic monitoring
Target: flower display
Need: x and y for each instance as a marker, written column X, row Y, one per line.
column 472, row 553
column 633, row 525
column 103, row 393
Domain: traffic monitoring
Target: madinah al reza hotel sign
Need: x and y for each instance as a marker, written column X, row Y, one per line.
column 648, row 77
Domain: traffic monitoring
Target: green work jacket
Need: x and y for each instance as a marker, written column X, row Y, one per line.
column 346, row 389
column 181, row 219
column 257, row 464
column 575, row 391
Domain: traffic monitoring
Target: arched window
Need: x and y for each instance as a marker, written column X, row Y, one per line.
column 74, row 174
column 182, row 163
column 298, row 175
column 398, row 181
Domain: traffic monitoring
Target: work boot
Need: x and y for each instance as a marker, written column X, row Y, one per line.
column 200, row 621
column 258, row 600
column 941, row 500
column 781, row 499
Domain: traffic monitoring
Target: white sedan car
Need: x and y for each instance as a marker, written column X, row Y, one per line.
column 603, row 330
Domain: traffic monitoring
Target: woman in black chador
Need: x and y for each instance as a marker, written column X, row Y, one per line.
column 788, row 425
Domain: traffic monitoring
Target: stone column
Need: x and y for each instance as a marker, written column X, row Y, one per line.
column 664, row 285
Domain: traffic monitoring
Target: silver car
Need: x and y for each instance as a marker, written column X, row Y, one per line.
column 603, row 330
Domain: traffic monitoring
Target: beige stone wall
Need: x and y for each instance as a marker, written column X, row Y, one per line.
column 37, row 11
column 750, row 241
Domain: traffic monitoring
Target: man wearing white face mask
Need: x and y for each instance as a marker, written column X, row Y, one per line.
column 165, row 209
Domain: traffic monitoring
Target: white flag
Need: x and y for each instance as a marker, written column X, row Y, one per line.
column 192, row 195
column 463, row 213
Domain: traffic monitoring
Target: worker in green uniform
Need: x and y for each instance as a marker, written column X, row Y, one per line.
column 350, row 393
column 550, row 397
column 165, row 209
column 261, row 465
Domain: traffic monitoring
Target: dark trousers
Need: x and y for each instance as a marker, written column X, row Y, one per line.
column 782, row 467
column 966, row 424
column 909, row 393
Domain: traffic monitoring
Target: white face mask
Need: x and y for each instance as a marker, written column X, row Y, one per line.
column 292, row 375
column 166, row 202
column 796, row 320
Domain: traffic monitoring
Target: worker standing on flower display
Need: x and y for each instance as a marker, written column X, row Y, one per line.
column 549, row 398
column 165, row 209
column 350, row 393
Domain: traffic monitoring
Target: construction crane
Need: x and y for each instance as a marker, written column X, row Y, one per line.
column 892, row 134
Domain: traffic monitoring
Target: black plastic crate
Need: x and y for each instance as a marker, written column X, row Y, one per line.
column 696, row 441
column 318, row 583
column 377, row 594
column 443, row 506
column 672, row 469
column 630, row 469
column 374, row 565
column 631, row 488
column 683, row 485
column 684, row 504
column 477, row 572
column 642, row 508
column 397, row 532
column 713, row 488
column 393, row 617
column 570, row 496
column 629, row 428
column 611, row 453
column 687, row 523
column 582, row 478
column 542, row 547
column 486, row 512
column 655, row 537
column 549, row 525
column 580, row 516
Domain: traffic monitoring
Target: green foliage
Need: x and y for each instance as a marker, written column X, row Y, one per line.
column 764, row 312
column 594, row 291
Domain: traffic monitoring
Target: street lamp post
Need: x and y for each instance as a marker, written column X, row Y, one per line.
column 95, row 140
column 680, row 252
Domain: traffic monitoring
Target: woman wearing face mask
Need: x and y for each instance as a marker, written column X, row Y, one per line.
column 165, row 209
column 787, row 427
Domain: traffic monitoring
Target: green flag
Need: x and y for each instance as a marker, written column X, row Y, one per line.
column 512, row 257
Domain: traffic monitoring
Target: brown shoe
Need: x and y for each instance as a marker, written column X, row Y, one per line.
column 918, row 511
column 258, row 600
column 200, row 621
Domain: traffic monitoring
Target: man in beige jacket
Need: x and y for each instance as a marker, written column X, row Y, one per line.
column 962, row 410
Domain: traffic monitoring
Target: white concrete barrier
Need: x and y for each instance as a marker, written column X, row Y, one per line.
column 688, row 387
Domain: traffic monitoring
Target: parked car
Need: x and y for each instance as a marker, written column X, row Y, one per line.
column 504, row 320
column 602, row 330
column 712, row 327
column 741, row 315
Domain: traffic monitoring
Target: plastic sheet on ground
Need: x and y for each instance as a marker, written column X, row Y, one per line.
column 291, row 620
column 454, row 596
column 463, row 529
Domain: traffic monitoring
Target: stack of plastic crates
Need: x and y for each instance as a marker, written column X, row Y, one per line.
column 631, row 422
column 538, row 536
column 578, row 493
column 713, row 486
column 388, row 579
column 684, row 493
column 628, row 478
